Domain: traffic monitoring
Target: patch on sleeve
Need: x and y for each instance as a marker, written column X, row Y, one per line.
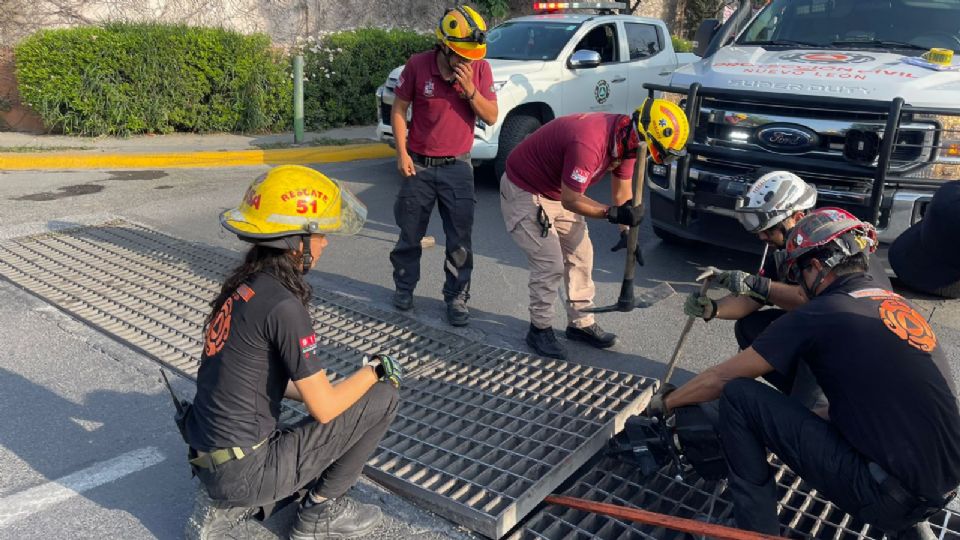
column 873, row 293
column 245, row 292
column 579, row 175
column 308, row 345
column 400, row 81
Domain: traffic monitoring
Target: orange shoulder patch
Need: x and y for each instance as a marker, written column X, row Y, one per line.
column 907, row 324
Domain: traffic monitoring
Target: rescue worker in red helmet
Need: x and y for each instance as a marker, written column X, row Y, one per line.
column 770, row 208
column 543, row 200
column 260, row 347
column 449, row 87
column 888, row 452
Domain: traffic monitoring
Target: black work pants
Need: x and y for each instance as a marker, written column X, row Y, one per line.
column 450, row 187
column 755, row 418
column 308, row 455
column 800, row 384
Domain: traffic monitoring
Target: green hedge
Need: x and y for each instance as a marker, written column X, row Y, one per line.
column 344, row 69
column 126, row 78
column 681, row 45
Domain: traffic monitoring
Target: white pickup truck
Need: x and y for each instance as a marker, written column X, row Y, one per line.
column 833, row 90
column 553, row 64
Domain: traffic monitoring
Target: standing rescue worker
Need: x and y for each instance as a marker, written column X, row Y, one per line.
column 449, row 88
column 770, row 208
column 259, row 348
column 543, row 200
column 889, row 451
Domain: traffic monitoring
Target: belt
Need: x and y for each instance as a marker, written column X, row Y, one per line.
column 215, row 458
column 435, row 161
column 918, row 506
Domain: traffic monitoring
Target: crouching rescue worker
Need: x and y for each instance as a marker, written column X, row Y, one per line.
column 260, row 347
column 543, row 200
column 889, row 452
column 449, row 88
column 770, row 208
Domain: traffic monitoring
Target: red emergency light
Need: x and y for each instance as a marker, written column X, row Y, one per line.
column 555, row 6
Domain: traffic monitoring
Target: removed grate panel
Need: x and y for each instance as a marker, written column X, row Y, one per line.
column 489, row 433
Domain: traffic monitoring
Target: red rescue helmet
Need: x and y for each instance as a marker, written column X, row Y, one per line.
column 831, row 235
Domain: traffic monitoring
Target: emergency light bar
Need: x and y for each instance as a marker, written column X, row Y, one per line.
column 553, row 6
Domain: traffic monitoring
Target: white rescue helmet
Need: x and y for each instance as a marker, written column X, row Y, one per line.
column 774, row 197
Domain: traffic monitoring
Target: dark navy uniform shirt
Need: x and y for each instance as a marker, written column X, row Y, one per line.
column 261, row 339
column 885, row 374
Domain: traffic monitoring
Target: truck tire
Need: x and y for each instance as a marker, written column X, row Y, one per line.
column 670, row 238
column 515, row 129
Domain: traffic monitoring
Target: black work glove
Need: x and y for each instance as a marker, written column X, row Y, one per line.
column 622, row 244
column 741, row 283
column 387, row 368
column 625, row 214
column 657, row 408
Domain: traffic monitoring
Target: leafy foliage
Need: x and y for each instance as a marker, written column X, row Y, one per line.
column 344, row 69
column 681, row 45
column 126, row 78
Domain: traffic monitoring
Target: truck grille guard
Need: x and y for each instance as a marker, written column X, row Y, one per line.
column 906, row 140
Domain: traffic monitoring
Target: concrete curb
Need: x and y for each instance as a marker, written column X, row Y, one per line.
column 230, row 158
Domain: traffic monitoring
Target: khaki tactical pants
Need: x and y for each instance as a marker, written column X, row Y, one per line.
column 564, row 254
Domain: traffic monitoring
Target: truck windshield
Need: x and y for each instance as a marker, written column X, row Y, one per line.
column 527, row 40
column 849, row 24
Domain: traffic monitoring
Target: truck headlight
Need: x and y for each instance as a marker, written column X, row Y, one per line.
column 497, row 85
column 945, row 156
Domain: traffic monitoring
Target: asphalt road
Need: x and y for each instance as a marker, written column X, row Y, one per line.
column 87, row 444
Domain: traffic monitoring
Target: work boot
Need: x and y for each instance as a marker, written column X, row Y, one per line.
column 545, row 343
column 403, row 300
column 338, row 518
column 592, row 335
column 457, row 312
column 212, row 520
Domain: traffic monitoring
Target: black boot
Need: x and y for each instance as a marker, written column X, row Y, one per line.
column 920, row 531
column 592, row 335
column 212, row 520
column 402, row 300
column 545, row 343
column 457, row 312
column 338, row 518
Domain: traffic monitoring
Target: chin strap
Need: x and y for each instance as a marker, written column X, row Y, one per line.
column 812, row 291
column 307, row 256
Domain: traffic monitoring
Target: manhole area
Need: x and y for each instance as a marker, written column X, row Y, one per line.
column 803, row 512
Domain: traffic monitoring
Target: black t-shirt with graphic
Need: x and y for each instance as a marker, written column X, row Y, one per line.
column 261, row 339
column 879, row 363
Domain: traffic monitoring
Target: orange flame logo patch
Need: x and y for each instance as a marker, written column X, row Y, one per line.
column 907, row 324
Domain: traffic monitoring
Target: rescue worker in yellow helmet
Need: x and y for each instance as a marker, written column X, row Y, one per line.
column 449, row 87
column 544, row 204
column 664, row 127
column 259, row 347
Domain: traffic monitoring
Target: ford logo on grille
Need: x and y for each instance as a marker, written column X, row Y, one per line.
column 790, row 138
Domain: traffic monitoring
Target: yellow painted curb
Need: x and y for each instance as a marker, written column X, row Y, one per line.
column 238, row 158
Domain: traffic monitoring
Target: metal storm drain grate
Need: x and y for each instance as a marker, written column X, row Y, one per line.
column 483, row 433
column 803, row 512
column 490, row 433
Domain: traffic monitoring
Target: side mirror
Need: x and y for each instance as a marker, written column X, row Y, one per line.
column 705, row 33
column 584, row 59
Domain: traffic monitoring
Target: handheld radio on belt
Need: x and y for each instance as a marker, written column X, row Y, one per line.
column 183, row 407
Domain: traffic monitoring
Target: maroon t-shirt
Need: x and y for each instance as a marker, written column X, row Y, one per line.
column 573, row 149
column 442, row 122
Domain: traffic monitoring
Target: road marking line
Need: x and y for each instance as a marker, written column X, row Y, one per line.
column 172, row 160
column 24, row 503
